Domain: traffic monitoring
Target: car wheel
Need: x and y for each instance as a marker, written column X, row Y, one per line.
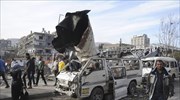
column 132, row 88
column 97, row 94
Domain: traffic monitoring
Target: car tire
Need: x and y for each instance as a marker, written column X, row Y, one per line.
column 97, row 94
column 132, row 88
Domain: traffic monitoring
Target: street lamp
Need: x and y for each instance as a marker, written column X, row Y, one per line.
column 60, row 17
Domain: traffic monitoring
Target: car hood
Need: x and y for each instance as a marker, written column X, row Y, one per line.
column 68, row 76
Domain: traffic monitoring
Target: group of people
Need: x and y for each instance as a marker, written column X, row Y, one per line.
column 20, row 72
column 31, row 67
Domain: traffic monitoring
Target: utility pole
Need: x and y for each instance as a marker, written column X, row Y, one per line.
column 120, row 42
column 60, row 17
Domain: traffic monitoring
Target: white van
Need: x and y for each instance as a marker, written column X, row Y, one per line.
column 134, row 72
column 96, row 78
column 169, row 63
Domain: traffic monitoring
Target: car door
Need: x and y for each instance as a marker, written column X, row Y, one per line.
column 93, row 75
column 174, row 69
column 120, row 82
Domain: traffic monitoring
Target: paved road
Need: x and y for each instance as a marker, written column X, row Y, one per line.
column 46, row 93
column 141, row 96
column 40, row 91
column 177, row 90
column 175, row 97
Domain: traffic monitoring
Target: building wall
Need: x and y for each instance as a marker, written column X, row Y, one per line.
column 140, row 42
column 21, row 46
column 5, row 43
column 4, row 46
column 116, row 49
column 37, row 44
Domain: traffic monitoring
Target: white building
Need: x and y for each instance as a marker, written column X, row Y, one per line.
column 140, row 42
column 37, row 44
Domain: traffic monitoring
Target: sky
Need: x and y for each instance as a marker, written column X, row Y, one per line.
column 110, row 20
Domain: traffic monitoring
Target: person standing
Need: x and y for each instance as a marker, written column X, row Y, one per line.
column 33, row 70
column 13, row 62
column 160, row 83
column 2, row 72
column 55, row 68
column 21, row 63
column 62, row 63
column 17, row 84
column 40, row 71
column 28, row 71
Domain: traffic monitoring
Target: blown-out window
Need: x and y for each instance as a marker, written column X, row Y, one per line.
column 131, row 64
column 96, row 64
column 40, row 37
column 173, row 65
column 118, row 72
column 148, row 64
column 114, row 62
column 176, row 65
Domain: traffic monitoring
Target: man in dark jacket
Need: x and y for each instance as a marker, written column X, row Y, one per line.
column 28, row 70
column 160, row 83
column 33, row 70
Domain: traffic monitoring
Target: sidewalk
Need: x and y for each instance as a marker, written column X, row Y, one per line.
column 40, row 91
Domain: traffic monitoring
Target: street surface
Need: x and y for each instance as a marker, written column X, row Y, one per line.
column 42, row 92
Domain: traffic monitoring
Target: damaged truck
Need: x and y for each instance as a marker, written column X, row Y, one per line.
column 90, row 75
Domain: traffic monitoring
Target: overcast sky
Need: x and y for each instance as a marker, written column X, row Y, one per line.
column 110, row 20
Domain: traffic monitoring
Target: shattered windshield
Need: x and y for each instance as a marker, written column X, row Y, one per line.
column 74, row 65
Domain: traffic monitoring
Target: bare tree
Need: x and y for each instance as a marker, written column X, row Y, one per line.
column 169, row 34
